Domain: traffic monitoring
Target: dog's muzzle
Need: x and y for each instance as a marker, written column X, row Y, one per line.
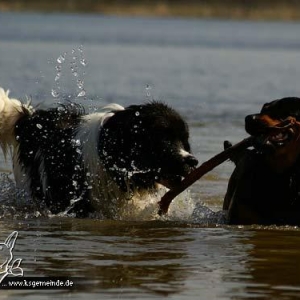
column 269, row 135
column 188, row 163
column 191, row 161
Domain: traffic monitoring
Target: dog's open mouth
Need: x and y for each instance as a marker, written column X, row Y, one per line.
column 270, row 136
column 172, row 181
column 274, row 138
column 280, row 138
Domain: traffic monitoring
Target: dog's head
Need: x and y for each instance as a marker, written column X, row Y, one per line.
column 146, row 144
column 276, row 130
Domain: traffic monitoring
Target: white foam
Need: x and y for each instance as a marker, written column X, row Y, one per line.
column 145, row 207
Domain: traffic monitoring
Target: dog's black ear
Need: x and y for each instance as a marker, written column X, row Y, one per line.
column 283, row 108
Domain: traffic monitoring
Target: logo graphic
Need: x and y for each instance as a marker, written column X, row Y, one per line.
column 9, row 266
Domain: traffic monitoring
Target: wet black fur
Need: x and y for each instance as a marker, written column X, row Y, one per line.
column 140, row 142
column 46, row 138
column 145, row 137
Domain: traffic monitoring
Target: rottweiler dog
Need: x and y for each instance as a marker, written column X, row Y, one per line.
column 264, row 188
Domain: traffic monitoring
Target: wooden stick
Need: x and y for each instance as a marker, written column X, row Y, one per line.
column 200, row 171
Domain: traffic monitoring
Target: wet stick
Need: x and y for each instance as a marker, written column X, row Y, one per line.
column 200, row 171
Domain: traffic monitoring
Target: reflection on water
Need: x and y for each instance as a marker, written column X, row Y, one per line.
column 153, row 259
column 130, row 258
column 274, row 264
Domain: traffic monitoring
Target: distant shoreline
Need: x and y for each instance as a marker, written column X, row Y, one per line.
column 228, row 9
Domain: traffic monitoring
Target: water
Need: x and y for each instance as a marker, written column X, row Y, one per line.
column 214, row 73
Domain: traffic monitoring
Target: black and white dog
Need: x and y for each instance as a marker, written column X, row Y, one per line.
column 94, row 162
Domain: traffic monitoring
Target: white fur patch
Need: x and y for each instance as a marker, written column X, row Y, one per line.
column 10, row 112
column 184, row 153
column 87, row 138
column 88, row 135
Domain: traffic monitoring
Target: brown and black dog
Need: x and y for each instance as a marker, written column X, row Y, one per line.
column 265, row 185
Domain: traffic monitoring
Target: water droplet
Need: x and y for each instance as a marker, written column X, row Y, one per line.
column 81, row 94
column 54, row 93
column 148, row 90
column 76, row 142
column 80, row 83
column 137, row 113
column 73, row 201
column 83, row 61
column 60, row 59
column 57, row 77
column 37, row 214
column 39, row 126
column 74, row 71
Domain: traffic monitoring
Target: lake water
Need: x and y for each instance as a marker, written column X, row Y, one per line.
column 214, row 73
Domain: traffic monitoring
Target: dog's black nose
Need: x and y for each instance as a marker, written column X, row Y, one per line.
column 253, row 124
column 251, row 118
column 191, row 160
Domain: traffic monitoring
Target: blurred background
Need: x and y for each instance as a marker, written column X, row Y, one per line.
column 241, row 9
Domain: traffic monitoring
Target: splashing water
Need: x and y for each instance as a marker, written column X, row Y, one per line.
column 83, row 62
column 75, row 69
column 82, row 93
column 55, row 93
column 58, row 73
column 145, row 207
column 17, row 204
column 72, row 63
column 82, row 59
column 148, row 91
column 80, row 84
column 205, row 216
column 61, row 58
